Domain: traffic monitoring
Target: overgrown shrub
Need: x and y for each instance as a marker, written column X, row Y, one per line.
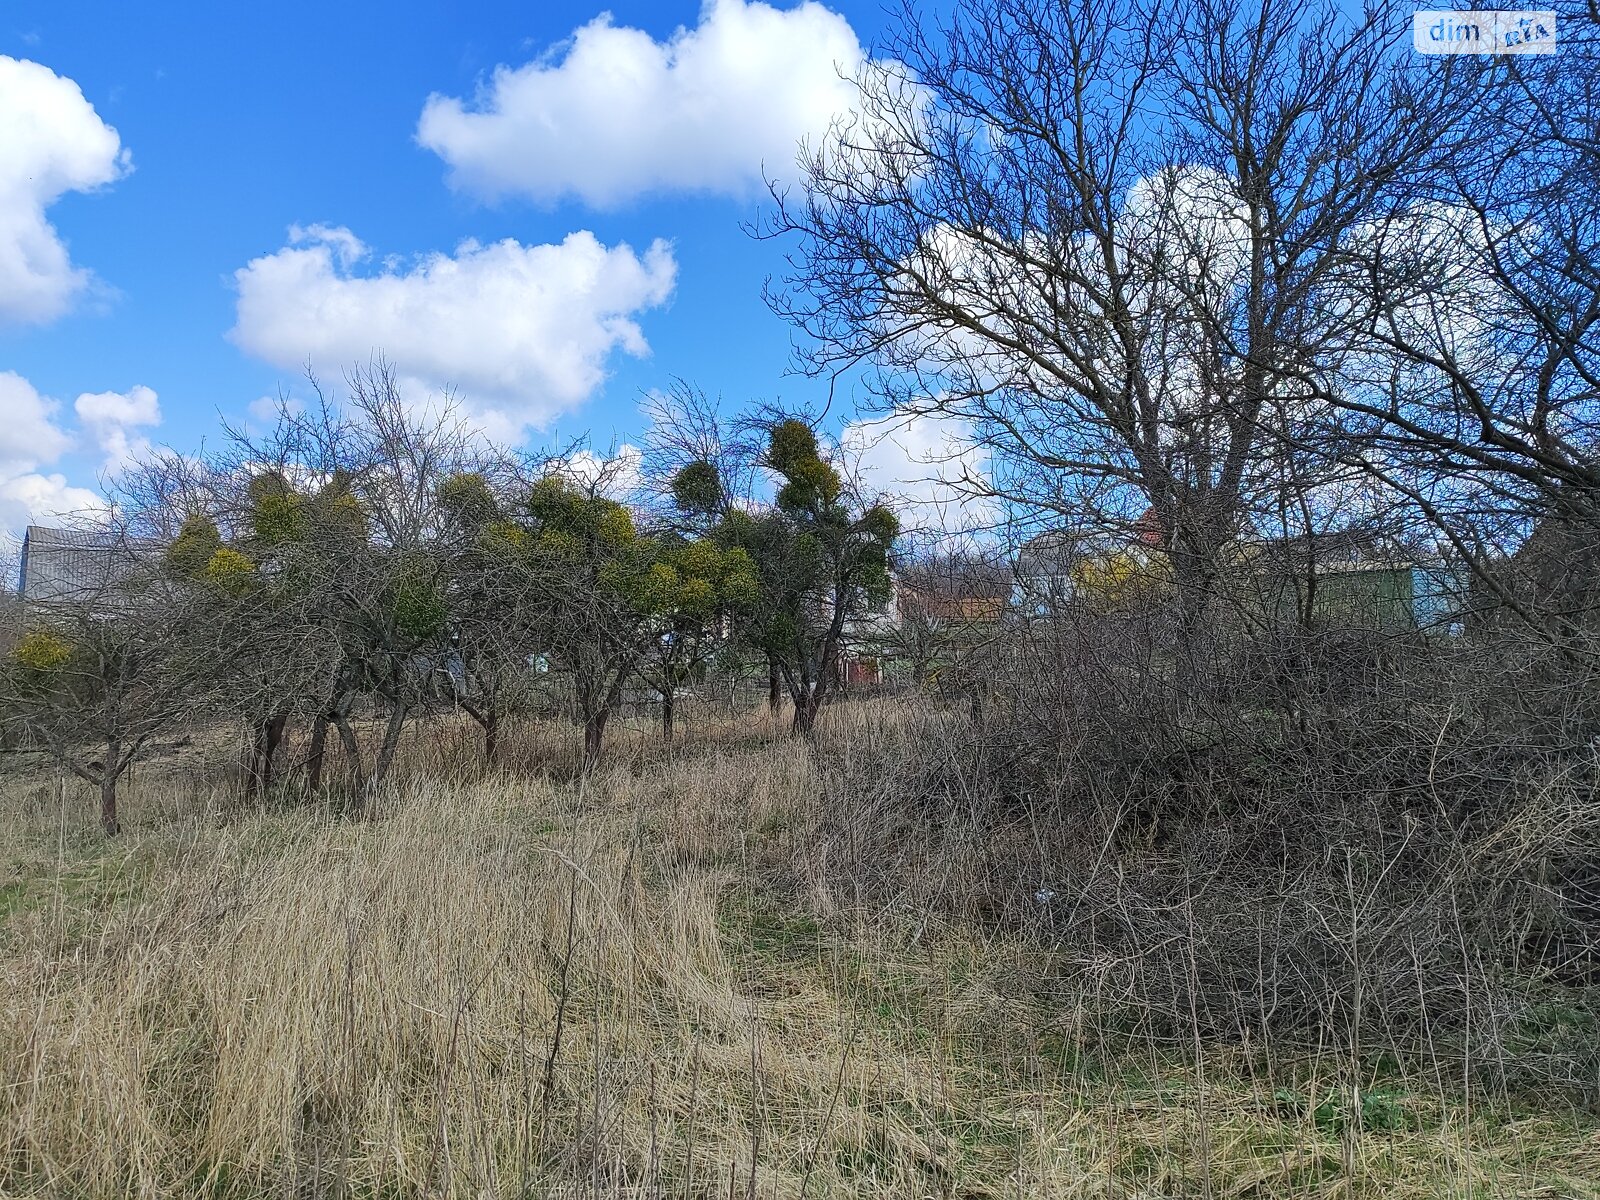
column 1375, row 840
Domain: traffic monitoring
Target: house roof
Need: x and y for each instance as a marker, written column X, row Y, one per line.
column 1057, row 551
column 1053, row 552
column 942, row 606
column 75, row 566
column 1332, row 550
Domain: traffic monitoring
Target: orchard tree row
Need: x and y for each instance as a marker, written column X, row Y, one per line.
column 378, row 558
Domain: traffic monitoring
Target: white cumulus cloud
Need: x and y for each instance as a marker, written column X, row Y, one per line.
column 614, row 114
column 32, row 439
column 29, row 434
column 617, row 476
column 51, row 142
column 111, row 418
column 522, row 333
column 38, row 497
column 928, row 467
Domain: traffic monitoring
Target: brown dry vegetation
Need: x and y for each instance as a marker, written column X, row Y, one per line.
column 637, row 985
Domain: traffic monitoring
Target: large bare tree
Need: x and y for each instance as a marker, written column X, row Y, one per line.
column 1474, row 386
column 1106, row 235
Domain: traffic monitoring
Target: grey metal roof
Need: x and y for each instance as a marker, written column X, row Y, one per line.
column 76, row 566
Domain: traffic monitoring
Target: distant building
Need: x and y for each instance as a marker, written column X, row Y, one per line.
column 1056, row 568
column 860, row 648
column 1046, row 572
column 1346, row 579
column 933, row 604
column 77, row 566
column 942, row 612
column 1340, row 578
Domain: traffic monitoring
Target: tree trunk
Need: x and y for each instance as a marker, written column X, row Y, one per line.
column 1195, row 578
column 594, row 731
column 813, row 690
column 108, row 805
column 774, row 687
column 280, row 726
column 391, row 740
column 806, row 709
column 252, row 765
column 352, row 748
column 317, row 752
column 808, row 695
column 491, row 737
column 668, row 704
column 110, row 769
column 268, row 737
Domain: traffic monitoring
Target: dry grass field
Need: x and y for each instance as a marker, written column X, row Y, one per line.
column 512, row 985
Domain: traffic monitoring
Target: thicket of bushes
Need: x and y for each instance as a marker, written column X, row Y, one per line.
column 1328, row 837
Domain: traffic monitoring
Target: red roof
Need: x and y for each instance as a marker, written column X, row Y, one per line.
column 1149, row 530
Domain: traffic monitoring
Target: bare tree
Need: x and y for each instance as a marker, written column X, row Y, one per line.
column 1474, row 343
column 687, row 428
column 100, row 673
column 499, row 612
column 332, row 535
column 587, row 557
column 701, row 464
column 1103, row 234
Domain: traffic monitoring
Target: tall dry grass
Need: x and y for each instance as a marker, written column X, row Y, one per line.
column 514, row 985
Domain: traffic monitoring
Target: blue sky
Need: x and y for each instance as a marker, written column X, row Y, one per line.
column 289, row 142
